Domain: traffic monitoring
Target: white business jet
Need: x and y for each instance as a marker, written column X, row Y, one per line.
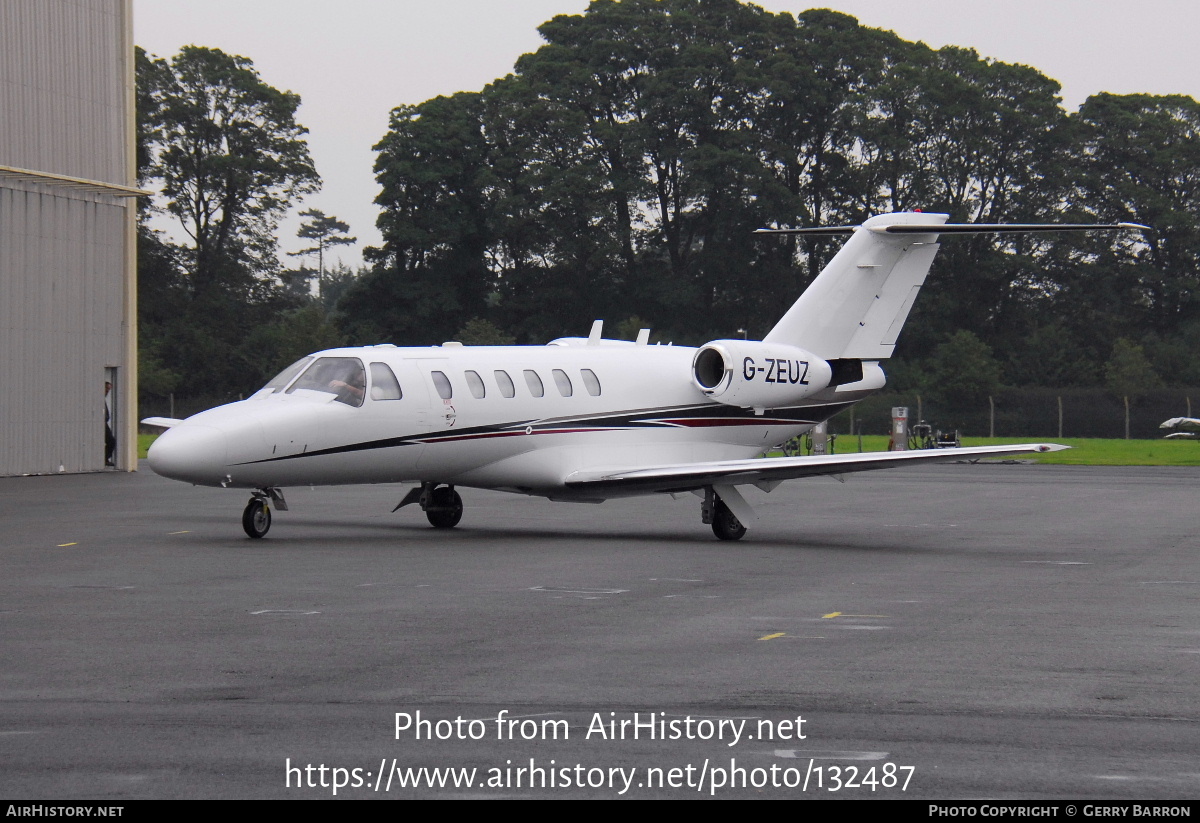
column 1185, row 427
column 584, row 419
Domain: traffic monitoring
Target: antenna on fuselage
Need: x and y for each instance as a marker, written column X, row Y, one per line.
column 597, row 333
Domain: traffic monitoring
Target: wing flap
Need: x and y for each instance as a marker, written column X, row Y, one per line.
column 684, row 477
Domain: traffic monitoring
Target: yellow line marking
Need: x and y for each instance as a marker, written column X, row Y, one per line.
column 839, row 614
column 64, row 545
column 773, row 636
column 831, row 614
column 185, row 531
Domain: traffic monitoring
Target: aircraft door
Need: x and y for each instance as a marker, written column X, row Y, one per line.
column 440, row 388
column 416, row 403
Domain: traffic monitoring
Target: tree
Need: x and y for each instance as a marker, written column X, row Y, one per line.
column 1140, row 163
column 1128, row 374
column 479, row 332
column 324, row 231
column 963, row 373
column 231, row 158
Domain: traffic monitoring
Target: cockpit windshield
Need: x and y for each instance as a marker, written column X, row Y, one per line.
column 343, row 377
column 279, row 382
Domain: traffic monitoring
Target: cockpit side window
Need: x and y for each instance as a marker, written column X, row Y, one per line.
column 343, row 377
column 279, row 382
column 384, row 385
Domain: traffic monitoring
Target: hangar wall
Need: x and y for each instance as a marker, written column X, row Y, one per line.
column 68, row 216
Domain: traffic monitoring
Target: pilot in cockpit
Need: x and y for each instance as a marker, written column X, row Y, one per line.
column 352, row 389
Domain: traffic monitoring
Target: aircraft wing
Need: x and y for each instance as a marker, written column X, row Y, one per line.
column 688, row 476
column 165, row 422
column 1184, row 423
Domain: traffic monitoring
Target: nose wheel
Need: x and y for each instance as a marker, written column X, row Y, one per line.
column 256, row 519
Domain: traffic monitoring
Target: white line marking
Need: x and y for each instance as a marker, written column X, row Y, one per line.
column 828, row 754
column 283, row 611
column 716, row 716
column 1058, row 562
column 557, row 590
column 516, row 716
column 920, row 525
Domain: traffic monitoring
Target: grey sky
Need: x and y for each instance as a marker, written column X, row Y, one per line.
column 354, row 60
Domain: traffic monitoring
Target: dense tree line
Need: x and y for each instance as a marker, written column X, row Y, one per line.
column 622, row 167
column 619, row 171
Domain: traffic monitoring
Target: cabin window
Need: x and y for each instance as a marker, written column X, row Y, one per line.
column 442, row 383
column 343, row 377
column 535, row 383
column 279, row 382
column 383, row 383
column 591, row 382
column 505, row 383
column 475, row 384
column 563, row 382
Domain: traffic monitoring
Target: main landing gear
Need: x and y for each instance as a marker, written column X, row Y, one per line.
column 725, row 524
column 256, row 518
column 442, row 505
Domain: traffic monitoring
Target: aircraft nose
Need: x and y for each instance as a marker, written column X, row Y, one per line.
column 193, row 453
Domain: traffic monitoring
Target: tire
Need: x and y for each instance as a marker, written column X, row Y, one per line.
column 256, row 519
column 445, row 508
column 725, row 525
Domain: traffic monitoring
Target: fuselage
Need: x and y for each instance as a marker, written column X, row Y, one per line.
column 518, row 418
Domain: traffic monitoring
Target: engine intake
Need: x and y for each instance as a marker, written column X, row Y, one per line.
column 751, row 374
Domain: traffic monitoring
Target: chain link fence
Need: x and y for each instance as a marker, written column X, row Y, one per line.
column 1030, row 412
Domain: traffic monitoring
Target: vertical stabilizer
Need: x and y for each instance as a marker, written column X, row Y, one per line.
column 857, row 305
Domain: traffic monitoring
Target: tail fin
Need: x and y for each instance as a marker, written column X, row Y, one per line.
column 857, row 305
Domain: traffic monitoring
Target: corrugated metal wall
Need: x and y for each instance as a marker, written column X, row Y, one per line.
column 66, row 274
column 62, row 89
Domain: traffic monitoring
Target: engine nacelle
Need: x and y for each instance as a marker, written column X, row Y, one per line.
column 751, row 374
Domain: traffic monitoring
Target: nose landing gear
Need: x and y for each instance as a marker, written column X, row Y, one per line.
column 256, row 518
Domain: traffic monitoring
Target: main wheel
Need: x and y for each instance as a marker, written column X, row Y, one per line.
column 256, row 519
column 725, row 525
column 445, row 508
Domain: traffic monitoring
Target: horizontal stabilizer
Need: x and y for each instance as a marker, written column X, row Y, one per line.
column 688, row 476
column 960, row 228
column 164, row 422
